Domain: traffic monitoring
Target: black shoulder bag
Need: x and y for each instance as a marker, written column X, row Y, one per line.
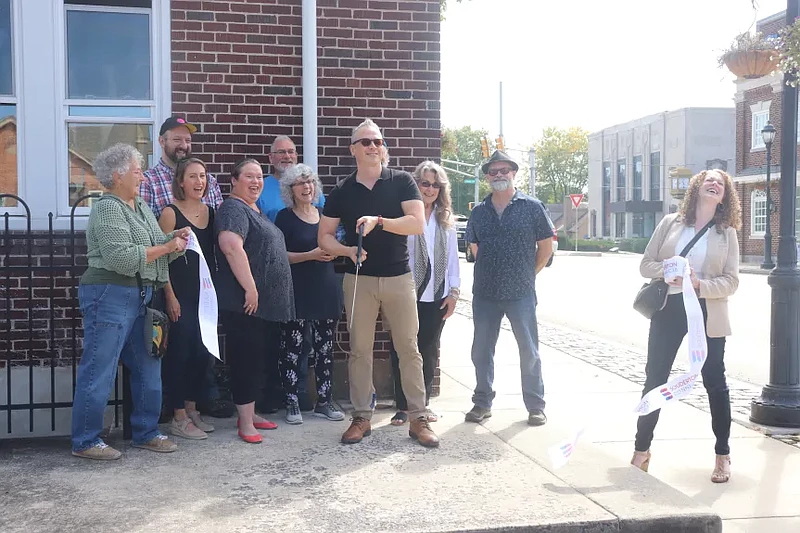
column 652, row 297
column 156, row 326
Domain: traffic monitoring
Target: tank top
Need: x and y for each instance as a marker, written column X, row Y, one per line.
column 184, row 272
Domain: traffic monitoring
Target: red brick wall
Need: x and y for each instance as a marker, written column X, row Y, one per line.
column 237, row 69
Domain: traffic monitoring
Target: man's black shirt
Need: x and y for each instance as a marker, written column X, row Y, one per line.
column 387, row 253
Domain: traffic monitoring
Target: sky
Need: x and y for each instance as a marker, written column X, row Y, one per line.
column 587, row 63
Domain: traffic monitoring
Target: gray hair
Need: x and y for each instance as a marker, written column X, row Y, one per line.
column 365, row 124
column 278, row 139
column 117, row 158
column 292, row 176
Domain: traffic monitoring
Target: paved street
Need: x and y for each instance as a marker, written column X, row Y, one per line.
column 593, row 295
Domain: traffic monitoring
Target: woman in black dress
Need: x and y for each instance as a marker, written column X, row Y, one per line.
column 187, row 362
column 317, row 298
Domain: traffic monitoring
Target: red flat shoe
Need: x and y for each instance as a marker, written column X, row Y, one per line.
column 266, row 424
column 251, row 439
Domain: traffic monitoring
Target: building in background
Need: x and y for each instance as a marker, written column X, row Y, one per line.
column 759, row 101
column 630, row 189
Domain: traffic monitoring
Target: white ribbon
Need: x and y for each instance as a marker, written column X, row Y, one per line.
column 207, row 310
column 674, row 389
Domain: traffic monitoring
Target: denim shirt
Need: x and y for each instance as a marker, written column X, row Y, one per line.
column 505, row 267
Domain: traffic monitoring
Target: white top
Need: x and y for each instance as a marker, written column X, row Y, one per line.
column 696, row 256
column 452, row 277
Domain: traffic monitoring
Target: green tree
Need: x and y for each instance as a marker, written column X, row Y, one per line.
column 562, row 163
column 464, row 145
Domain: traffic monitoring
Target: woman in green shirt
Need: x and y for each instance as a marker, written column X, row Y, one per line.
column 123, row 239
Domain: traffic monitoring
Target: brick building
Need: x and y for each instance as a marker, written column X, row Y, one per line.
column 78, row 75
column 758, row 101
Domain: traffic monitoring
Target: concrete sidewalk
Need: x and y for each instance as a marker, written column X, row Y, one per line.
column 763, row 494
column 490, row 477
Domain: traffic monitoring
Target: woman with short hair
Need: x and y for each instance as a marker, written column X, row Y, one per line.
column 254, row 290
column 317, row 298
column 123, row 242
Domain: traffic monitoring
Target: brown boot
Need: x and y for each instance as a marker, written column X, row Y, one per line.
column 359, row 428
column 420, row 430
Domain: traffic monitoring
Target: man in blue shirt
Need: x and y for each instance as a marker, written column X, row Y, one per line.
column 512, row 239
column 282, row 157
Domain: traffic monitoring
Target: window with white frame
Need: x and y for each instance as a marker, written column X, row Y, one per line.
column 9, row 165
column 760, row 119
column 758, row 213
column 108, row 87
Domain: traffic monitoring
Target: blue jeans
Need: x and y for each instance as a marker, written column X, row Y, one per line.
column 487, row 315
column 113, row 327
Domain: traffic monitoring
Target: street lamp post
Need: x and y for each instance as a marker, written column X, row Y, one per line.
column 779, row 403
column 768, row 134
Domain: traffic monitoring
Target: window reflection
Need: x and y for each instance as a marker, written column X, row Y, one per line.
column 8, row 154
column 6, row 52
column 85, row 141
column 108, row 55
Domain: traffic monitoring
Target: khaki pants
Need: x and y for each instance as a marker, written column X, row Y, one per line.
column 396, row 296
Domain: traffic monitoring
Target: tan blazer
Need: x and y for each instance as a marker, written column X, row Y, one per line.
column 720, row 269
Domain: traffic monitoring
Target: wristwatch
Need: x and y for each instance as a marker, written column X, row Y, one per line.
column 379, row 225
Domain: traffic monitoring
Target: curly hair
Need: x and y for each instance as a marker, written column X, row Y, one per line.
column 292, row 176
column 443, row 206
column 729, row 212
column 116, row 159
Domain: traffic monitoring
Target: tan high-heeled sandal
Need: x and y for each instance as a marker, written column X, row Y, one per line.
column 641, row 460
column 722, row 469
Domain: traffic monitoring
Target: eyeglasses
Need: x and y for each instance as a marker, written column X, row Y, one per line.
column 282, row 153
column 302, row 182
column 502, row 171
column 366, row 142
column 428, row 184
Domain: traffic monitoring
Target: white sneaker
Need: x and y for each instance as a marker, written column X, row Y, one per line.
column 293, row 415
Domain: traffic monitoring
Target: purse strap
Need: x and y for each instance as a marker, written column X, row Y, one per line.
column 696, row 238
column 140, row 285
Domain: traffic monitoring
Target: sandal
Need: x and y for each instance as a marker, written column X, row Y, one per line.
column 722, row 469
column 399, row 418
column 431, row 416
column 641, row 460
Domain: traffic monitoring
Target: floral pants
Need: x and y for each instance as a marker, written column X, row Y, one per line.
column 321, row 356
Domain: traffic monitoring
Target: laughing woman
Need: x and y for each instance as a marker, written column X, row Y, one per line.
column 254, row 288
column 714, row 261
column 188, row 363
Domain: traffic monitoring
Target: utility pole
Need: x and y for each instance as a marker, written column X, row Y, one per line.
column 779, row 404
column 532, row 172
column 477, row 184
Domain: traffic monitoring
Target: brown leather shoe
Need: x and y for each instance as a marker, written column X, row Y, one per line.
column 420, row 430
column 359, row 428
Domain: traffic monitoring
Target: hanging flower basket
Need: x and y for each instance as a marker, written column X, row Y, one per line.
column 752, row 64
column 751, row 56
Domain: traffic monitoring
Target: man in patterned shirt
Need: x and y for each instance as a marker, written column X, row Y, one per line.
column 175, row 138
column 511, row 238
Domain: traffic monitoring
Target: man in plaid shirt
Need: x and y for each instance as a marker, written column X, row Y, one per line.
column 175, row 138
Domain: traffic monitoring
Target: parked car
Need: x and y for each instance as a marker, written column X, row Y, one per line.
column 461, row 228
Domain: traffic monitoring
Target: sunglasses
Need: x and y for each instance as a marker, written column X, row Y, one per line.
column 502, row 171
column 428, row 184
column 366, row 142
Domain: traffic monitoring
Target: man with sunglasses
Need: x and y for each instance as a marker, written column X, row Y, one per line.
column 282, row 157
column 388, row 207
column 511, row 237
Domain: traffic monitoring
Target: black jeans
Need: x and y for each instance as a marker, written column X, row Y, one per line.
column 247, row 340
column 667, row 330
column 431, row 323
column 188, row 365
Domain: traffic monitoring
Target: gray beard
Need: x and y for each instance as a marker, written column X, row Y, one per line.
column 500, row 186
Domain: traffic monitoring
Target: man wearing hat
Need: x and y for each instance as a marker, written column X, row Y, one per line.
column 175, row 138
column 511, row 237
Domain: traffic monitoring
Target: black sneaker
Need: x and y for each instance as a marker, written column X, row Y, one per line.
column 477, row 414
column 536, row 417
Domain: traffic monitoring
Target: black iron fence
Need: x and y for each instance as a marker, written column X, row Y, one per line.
column 40, row 323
